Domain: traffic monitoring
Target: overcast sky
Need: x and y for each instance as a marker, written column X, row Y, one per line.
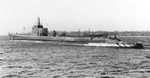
column 69, row 15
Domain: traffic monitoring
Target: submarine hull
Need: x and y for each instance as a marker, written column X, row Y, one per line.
column 46, row 38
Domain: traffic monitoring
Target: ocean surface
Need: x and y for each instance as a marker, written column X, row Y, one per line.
column 36, row 59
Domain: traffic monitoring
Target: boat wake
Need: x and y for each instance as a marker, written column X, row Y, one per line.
column 100, row 44
column 117, row 45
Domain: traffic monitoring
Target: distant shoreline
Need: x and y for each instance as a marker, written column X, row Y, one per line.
column 133, row 36
column 111, row 36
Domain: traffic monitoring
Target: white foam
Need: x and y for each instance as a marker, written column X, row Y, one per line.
column 102, row 44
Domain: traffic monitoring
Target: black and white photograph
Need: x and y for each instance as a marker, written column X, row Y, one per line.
column 74, row 38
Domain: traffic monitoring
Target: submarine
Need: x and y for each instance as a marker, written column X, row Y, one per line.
column 39, row 33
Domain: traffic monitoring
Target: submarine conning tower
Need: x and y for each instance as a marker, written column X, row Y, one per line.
column 38, row 29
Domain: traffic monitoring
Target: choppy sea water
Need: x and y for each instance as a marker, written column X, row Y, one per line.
column 21, row 59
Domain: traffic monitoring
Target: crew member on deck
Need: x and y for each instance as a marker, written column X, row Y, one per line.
column 54, row 33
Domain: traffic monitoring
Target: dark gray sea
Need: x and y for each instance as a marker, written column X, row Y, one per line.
column 36, row 59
